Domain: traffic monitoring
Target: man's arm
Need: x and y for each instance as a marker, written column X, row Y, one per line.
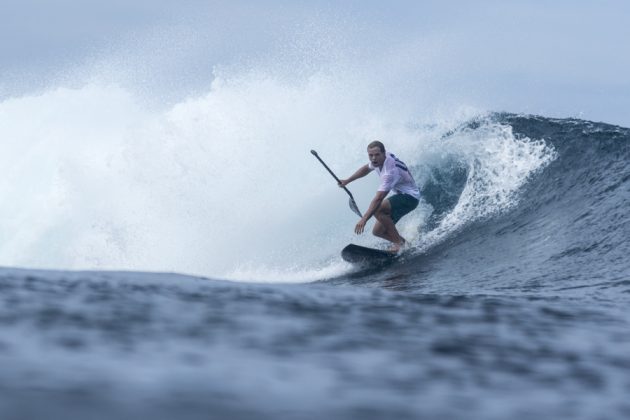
column 374, row 205
column 360, row 173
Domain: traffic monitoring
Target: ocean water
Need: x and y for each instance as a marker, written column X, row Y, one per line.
column 170, row 249
column 512, row 303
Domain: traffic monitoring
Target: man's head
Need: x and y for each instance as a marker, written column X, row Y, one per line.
column 376, row 153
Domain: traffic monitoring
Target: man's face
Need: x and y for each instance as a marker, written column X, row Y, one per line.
column 376, row 156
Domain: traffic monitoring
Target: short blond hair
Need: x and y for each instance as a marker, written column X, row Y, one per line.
column 378, row 144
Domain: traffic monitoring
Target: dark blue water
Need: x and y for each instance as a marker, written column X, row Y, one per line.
column 520, row 314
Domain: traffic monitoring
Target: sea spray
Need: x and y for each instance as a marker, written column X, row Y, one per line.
column 222, row 184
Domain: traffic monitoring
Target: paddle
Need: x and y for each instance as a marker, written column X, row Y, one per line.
column 351, row 202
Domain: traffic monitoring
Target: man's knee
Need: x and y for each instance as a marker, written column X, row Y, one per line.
column 378, row 229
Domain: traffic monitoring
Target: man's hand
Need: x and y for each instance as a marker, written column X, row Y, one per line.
column 358, row 229
column 343, row 182
column 374, row 205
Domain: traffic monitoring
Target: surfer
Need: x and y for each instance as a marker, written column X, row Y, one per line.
column 395, row 176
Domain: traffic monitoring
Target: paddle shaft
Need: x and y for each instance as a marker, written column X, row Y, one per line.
column 331, row 172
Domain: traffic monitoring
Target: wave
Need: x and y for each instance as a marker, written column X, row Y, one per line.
column 223, row 184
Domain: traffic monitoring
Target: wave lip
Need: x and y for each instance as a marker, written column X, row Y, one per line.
column 475, row 172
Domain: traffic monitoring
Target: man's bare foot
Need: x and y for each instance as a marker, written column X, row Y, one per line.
column 396, row 248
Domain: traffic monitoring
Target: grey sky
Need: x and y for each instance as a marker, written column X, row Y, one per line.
column 558, row 58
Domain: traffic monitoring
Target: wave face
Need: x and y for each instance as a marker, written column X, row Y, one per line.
column 564, row 228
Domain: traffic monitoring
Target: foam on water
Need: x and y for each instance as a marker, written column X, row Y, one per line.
column 95, row 180
column 223, row 184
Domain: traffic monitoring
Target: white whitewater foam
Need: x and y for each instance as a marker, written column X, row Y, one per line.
column 96, row 180
column 223, row 185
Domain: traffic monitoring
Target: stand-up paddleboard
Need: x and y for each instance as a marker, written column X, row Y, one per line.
column 357, row 254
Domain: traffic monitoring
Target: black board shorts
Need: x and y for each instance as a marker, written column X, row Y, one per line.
column 401, row 205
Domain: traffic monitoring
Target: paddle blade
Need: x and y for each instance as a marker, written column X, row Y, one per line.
column 354, row 207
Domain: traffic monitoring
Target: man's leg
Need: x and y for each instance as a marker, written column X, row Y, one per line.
column 384, row 226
